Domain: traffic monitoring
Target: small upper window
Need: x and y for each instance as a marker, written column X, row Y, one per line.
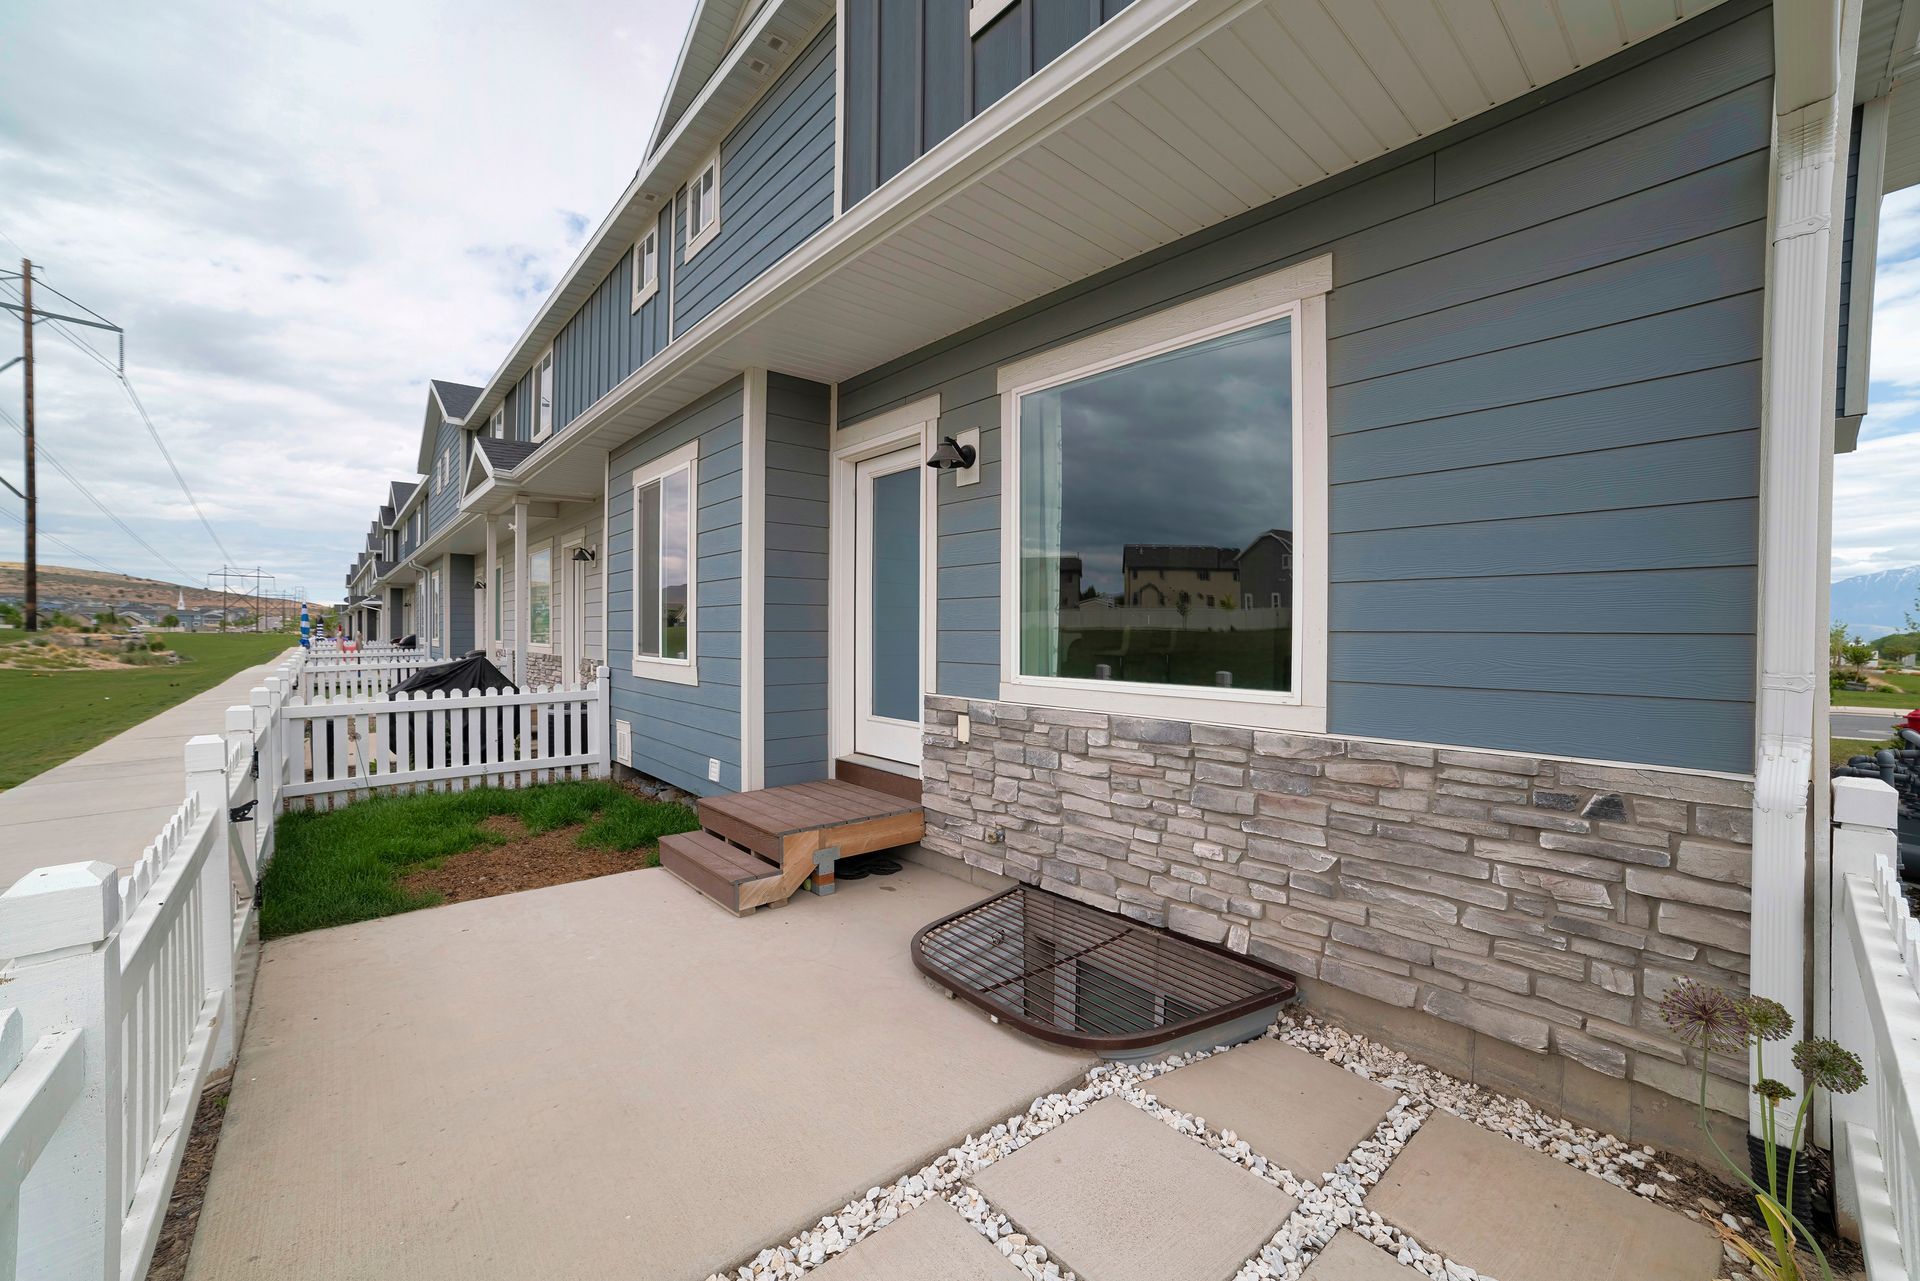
column 980, row 13
column 543, row 397
column 703, row 206
column 497, row 425
column 646, row 267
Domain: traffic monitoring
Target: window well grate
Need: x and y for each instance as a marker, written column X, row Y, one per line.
column 1074, row 975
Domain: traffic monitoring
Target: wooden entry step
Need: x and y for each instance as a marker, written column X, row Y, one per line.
column 852, row 769
column 788, row 835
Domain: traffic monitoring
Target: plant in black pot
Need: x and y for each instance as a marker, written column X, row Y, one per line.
column 1716, row 1021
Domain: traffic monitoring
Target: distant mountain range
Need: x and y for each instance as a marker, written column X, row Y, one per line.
column 1875, row 605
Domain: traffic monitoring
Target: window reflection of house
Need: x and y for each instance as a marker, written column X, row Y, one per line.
column 1266, row 571
column 1070, row 582
column 1158, row 576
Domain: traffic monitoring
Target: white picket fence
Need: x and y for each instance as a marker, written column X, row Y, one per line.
column 1875, row 1011
column 318, row 647
column 117, row 994
column 355, row 676
column 338, row 750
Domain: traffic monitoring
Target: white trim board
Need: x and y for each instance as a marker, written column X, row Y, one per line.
column 1299, row 292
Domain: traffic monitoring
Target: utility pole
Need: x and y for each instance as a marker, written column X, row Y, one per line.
column 32, row 610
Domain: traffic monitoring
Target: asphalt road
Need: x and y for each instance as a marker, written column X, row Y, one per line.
column 1872, row 723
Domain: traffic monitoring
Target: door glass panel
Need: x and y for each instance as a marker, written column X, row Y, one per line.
column 896, row 595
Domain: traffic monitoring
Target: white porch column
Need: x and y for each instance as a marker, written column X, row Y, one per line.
column 492, row 588
column 522, row 625
column 1814, row 43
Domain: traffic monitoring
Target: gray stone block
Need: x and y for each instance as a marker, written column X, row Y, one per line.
column 1504, row 1024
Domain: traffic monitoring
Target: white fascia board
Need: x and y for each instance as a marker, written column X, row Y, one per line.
column 1072, row 84
column 691, row 141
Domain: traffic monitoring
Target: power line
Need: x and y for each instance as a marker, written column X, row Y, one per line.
column 126, row 384
column 68, row 547
column 89, row 495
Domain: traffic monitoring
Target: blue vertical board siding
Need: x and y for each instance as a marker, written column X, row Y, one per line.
column 1544, row 343
column 443, row 502
column 459, row 581
column 776, row 186
column 677, row 729
column 798, row 442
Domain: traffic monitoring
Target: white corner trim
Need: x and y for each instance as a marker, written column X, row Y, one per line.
column 753, row 583
column 1298, row 292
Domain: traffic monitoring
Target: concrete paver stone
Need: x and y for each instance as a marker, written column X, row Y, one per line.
column 1507, row 1211
column 1288, row 1105
column 930, row 1243
column 1118, row 1196
column 1348, row 1258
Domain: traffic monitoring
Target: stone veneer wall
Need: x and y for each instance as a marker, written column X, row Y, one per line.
column 1541, row 902
column 542, row 669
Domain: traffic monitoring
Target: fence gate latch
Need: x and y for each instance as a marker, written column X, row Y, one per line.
column 256, row 763
column 242, row 813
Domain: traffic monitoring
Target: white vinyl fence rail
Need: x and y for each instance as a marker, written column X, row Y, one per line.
column 356, row 676
column 1876, row 1014
column 117, row 993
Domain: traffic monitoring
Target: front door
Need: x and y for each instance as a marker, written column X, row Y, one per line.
column 887, row 594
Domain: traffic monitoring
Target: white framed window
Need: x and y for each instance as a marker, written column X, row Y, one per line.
column 434, row 598
column 499, row 600
column 646, row 267
column 497, row 424
column 543, row 396
column 663, row 566
column 540, row 596
column 703, row 205
column 1223, row 396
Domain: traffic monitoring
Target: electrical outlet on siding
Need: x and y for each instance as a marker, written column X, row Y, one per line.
column 713, row 769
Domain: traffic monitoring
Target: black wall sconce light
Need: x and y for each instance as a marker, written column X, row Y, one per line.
column 951, row 455
column 479, row 584
column 585, row 555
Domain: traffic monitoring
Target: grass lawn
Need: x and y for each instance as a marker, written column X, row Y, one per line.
column 337, row 867
column 54, row 716
column 1904, row 696
column 1844, row 748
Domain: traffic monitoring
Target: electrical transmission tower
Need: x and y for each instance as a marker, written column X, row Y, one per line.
column 253, row 585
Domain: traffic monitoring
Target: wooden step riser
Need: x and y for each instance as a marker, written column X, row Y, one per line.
column 726, row 885
column 861, row 774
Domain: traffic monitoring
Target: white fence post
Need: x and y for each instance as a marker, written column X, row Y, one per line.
column 603, row 722
column 61, row 925
column 206, row 759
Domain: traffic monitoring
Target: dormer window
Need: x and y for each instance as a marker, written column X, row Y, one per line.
column 497, row 425
column 703, row 206
column 543, row 397
column 646, row 267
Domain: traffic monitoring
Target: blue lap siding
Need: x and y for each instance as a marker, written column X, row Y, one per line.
column 678, row 728
column 1544, row 398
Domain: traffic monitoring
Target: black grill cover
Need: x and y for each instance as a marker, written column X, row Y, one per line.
column 473, row 672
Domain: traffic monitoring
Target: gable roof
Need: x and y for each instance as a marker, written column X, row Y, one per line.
column 455, row 398
column 709, row 36
column 504, row 455
column 447, row 402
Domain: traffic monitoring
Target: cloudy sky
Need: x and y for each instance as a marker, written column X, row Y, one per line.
column 302, row 209
column 299, row 210
column 1876, row 489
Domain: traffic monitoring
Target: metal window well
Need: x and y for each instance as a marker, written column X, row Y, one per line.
column 1074, row 975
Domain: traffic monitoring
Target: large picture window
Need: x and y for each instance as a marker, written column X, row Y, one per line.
column 1165, row 540
column 663, row 565
column 540, row 596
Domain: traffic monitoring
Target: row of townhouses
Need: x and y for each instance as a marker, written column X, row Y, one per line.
column 1348, row 481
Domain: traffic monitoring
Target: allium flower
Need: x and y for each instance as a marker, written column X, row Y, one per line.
column 1830, row 1066
column 1705, row 1016
column 1773, row 1091
column 1767, row 1019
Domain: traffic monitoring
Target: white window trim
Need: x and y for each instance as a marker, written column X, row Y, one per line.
column 695, row 243
column 544, row 545
column 680, row 671
column 644, row 289
column 497, row 423
column 980, row 13
column 533, row 389
column 1299, row 292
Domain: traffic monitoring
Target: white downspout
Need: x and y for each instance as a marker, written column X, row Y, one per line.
column 1813, row 60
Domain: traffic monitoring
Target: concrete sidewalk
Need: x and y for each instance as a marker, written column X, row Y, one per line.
column 108, row 802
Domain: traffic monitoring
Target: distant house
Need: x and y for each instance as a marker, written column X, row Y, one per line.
column 1159, row 576
column 1451, row 332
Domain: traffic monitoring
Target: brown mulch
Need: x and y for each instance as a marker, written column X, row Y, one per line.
column 1701, row 1193
column 521, row 862
column 190, row 1189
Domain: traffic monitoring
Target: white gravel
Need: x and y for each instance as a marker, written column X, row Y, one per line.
column 1337, row 1200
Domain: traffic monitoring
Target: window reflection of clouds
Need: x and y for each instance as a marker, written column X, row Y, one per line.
column 1192, row 448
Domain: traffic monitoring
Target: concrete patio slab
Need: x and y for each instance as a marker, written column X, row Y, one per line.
column 1507, row 1211
column 1117, row 1196
column 1288, row 1105
column 1348, row 1258
column 110, row 801
column 607, row 1079
column 931, row 1243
